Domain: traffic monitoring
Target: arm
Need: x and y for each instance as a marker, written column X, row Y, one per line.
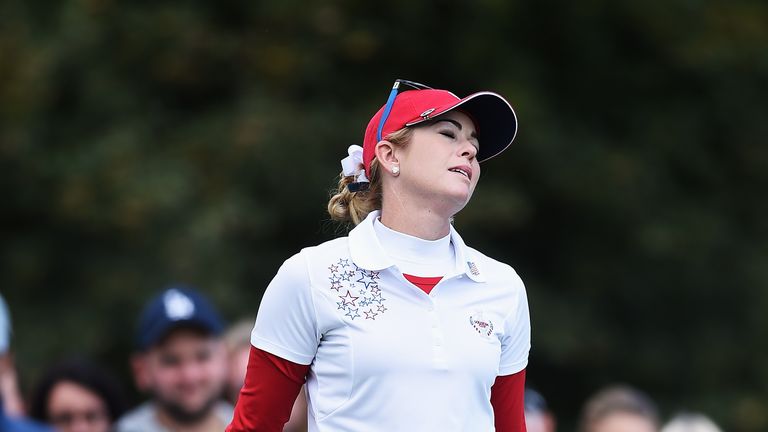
column 507, row 401
column 271, row 386
column 507, row 393
column 283, row 344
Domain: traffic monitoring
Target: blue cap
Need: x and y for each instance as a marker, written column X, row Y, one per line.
column 177, row 306
column 534, row 402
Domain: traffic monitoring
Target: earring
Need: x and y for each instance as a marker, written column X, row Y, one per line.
column 395, row 170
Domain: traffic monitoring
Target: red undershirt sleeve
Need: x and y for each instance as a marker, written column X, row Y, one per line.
column 270, row 389
column 507, row 400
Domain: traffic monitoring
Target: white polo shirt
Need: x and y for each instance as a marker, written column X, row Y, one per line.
column 385, row 356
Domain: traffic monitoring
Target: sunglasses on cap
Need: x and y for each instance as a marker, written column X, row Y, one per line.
column 362, row 182
column 391, row 101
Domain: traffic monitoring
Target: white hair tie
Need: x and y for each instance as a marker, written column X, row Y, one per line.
column 352, row 165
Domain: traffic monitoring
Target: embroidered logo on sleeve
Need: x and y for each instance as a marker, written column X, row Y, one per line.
column 482, row 326
column 357, row 290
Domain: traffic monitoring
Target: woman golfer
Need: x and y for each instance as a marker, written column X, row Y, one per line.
column 400, row 326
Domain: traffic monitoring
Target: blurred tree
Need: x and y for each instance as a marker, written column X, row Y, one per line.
column 152, row 142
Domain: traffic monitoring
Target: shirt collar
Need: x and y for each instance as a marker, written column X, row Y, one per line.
column 367, row 253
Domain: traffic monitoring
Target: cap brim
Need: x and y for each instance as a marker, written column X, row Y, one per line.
column 494, row 119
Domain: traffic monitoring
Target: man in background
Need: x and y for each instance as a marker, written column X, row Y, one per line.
column 538, row 417
column 619, row 409
column 181, row 364
column 238, row 341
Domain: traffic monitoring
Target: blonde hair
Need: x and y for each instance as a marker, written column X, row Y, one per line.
column 238, row 335
column 352, row 207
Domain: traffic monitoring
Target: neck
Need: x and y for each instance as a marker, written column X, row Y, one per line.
column 414, row 255
column 423, row 215
column 417, row 222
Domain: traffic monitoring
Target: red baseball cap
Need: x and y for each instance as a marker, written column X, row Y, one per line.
column 494, row 118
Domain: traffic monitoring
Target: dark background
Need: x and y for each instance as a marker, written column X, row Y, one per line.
column 197, row 141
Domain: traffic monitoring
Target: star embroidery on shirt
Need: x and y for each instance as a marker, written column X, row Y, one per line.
column 345, row 275
column 352, row 313
column 349, row 299
column 367, row 283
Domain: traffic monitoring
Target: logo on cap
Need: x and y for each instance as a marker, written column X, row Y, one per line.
column 177, row 305
column 426, row 113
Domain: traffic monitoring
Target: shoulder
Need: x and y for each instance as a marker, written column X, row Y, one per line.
column 22, row 425
column 301, row 274
column 311, row 259
column 493, row 270
column 482, row 268
column 140, row 419
column 333, row 247
column 224, row 411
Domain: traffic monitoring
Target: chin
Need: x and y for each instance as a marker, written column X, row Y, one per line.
column 455, row 201
column 461, row 195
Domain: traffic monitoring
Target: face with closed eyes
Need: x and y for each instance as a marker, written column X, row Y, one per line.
column 438, row 167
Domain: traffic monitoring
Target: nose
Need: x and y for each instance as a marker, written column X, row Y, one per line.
column 192, row 372
column 468, row 150
column 80, row 425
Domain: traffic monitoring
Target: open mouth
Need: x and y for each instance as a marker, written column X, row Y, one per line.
column 466, row 173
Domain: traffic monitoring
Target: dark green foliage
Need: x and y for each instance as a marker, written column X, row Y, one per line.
column 149, row 142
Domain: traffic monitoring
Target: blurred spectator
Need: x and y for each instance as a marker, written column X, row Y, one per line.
column 619, row 409
column 238, row 341
column 181, row 363
column 538, row 418
column 11, row 420
column 690, row 422
column 9, row 389
column 77, row 396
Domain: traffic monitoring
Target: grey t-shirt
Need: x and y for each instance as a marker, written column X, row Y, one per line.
column 144, row 418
